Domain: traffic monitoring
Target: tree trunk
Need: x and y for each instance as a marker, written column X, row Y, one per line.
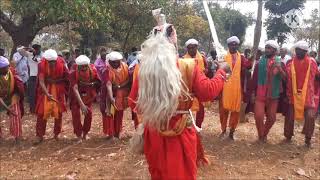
column 94, row 51
column 127, row 36
column 21, row 39
column 257, row 29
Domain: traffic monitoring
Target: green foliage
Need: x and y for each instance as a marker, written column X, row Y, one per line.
column 228, row 22
column 310, row 31
column 276, row 27
column 280, row 7
column 89, row 13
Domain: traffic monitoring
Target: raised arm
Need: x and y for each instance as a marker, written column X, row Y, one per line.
column 206, row 89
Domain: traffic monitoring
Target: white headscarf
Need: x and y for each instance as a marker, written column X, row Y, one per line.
column 273, row 44
column 233, row 39
column 114, row 56
column 302, row 45
column 82, row 60
column 50, row 55
column 4, row 62
column 191, row 41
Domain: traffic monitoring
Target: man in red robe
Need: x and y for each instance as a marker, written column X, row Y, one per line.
column 84, row 84
column 11, row 90
column 162, row 95
column 267, row 87
column 103, row 73
column 118, row 87
column 51, row 90
column 301, row 72
column 192, row 52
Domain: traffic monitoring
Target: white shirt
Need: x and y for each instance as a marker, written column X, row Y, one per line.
column 33, row 64
column 285, row 59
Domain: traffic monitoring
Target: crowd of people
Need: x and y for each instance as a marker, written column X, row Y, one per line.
column 162, row 90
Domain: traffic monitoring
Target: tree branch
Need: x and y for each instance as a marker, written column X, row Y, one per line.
column 8, row 25
column 46, row 22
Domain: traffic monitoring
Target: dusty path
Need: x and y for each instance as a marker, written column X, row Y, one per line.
column 99, row 158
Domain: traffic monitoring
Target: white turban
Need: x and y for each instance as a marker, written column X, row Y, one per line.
column 4, row 62
column 82, row 60
column 192, row 41
column 273, row 44
column 114, row 56
column 50, row 55
column 302, row 45
column 233, row 39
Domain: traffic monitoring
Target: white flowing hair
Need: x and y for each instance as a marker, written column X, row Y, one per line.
column 160, row 82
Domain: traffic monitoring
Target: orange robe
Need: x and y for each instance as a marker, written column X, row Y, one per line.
column 120, row 86
column 58, row 90
column 175, row 157
column 199, row 107
column 44, row 107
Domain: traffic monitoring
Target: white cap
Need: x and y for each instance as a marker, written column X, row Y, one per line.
column 273, row 44
column 4, row 62
column 192, row 41
column 82, row 60
column 302, row 45
column 114, row 56
column 50, row 55
column 156, row 12
column 233, row 39
column 20, row 48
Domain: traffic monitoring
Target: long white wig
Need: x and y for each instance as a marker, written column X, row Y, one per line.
column 160, row 82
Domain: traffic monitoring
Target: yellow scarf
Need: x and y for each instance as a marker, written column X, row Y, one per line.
column 186, row 67
column 231, row 95
column 199, row 60
column 299, row 98
column 51, row 108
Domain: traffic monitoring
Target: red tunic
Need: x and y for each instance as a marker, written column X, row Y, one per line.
column 175, row 157
column 88, row 94
column 6, row 93
column 60, row 71
column 301, row 67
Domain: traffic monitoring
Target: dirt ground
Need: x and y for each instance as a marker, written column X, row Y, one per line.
column 98, row 158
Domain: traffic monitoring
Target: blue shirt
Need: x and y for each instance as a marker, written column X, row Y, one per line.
column 21, row 66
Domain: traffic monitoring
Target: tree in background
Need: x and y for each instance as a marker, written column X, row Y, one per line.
column 228, row 21
column 22, row 20
column 310, row 31
column 257, row 29
column 276, row 27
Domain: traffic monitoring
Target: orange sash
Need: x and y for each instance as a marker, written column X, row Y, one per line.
column 120, row 77
column 199, row 60
column 178, row 128
column 231, row 95
column 51, row 108
column 186, row 67
column 299, row 98
column 135, row 72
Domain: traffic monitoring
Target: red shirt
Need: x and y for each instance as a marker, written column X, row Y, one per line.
column 301, row 70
